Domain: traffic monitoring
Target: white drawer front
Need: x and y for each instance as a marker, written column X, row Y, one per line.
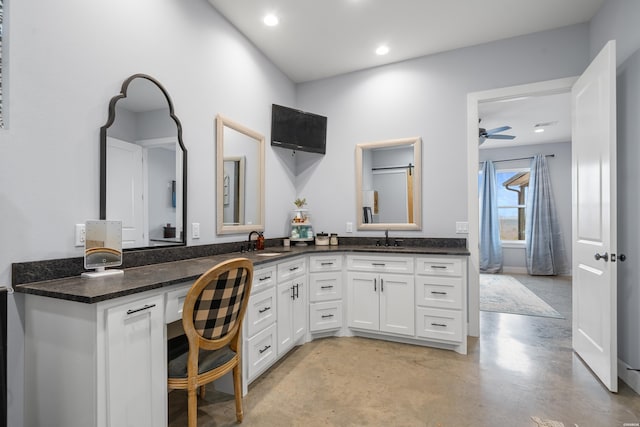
column 381, row 264
column 325, row 315
column 325, row 286
column 291, row 269
column 175, row 301
column 261, row 311
column 325, row 263
column 439, row 266
column 439, row 292
column 439, row 324
column 263, row 278
column 261, row 351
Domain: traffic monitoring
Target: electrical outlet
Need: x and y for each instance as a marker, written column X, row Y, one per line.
column 462, row 227
column 349, row 227
column 195, row 230
column 80, row 234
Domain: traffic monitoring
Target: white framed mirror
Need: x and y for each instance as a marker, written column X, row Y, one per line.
column 239, row 178
column 388, row 184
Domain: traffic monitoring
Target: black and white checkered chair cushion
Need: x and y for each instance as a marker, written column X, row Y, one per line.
column 218, row 305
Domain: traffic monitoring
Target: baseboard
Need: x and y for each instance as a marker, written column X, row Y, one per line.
column 631, row 378
column 514, row 270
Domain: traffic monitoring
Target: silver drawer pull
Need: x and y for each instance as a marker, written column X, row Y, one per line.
column 378, row 264
column 438, row 292
column 264, row 278
column 326, row 263
column 441, row 267
column 266, row 347
column 326, row 287
column 136, row 310
column 324, row 316
column 294, row 268
column 264, row 309
column 439, row 324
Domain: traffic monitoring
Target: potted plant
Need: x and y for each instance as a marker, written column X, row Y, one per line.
column 300, row 203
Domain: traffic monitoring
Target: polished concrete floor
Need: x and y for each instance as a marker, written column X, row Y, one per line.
column 521, row 366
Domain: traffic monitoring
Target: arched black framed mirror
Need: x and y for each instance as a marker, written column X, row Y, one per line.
column 143, row 166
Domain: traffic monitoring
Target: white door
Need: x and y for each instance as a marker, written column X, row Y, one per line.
column 285, row 316
column 363, row 301
column 299, row 312
column 594, row 217
column 136, row 364
column 125, row 198
column 396, row 294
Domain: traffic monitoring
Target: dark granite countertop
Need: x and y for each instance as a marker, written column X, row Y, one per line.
column 147, row 277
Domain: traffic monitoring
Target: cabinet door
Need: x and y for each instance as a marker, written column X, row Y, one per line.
column 299, row 314
column 136, row 364
column 397, row 304
column 363, row 300
column 325, row 286
column 285, row 316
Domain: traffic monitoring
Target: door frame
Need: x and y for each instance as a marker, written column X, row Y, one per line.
column 548, row 87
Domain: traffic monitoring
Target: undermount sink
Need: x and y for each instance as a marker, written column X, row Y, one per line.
column 269, row 254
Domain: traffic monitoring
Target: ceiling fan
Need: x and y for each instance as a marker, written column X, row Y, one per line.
column 484, row 134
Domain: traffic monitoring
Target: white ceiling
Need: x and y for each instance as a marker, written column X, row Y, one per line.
column 322, row 38
column 522, row 114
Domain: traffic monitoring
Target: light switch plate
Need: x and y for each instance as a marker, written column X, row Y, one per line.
column 80, row 234
column 195, row 230
column 462, row 227
column 349, row 228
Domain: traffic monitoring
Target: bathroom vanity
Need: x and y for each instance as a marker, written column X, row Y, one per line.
column 96, row 349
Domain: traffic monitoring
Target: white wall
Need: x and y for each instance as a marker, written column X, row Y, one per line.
column 560, row 171
column 64, row 61
column 424, row 97
column 618, row 19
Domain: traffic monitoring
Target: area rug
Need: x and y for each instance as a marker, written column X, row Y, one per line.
column 505, row 294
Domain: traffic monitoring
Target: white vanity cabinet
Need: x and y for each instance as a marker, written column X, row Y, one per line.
column 380, row 293
column 441, row 300
column 292, row 284
column 260, row 344
column 136, row 363
column 102, row 364
column 325, row 292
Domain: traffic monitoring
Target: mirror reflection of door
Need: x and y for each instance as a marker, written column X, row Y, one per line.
column 388, row 184
column 144, row 167
column 233, row 190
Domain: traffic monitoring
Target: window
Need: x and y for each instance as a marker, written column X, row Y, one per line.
column 512, row 193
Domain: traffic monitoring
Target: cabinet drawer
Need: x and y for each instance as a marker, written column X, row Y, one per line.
column 439, row 266
column 288, row 270
column 261, row 351
column 325, row 263
column 175, row 301
column 325, row 286
column 325, row 315
column 263, row 278
column 261, row 311
column 381, row 264
column 439, row 292
column 439, row 324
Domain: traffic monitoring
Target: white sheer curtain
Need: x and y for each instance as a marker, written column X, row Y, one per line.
column 490, row 245
column 545, row 251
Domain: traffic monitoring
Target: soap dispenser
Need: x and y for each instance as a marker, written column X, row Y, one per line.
column 260, row 242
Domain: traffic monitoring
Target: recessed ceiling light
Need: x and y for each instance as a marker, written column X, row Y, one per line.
column 271, row 20
column 382, row 50
column 538, row 130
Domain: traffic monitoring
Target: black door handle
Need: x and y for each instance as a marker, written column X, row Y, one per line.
column 604, row 256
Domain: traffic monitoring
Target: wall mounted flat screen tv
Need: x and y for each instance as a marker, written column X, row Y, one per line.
column 298, row 130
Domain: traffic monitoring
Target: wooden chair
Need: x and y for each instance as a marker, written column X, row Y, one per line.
column 212, row 319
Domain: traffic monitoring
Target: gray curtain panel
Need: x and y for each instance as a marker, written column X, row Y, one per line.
column 490, row 245
column 545, row 251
